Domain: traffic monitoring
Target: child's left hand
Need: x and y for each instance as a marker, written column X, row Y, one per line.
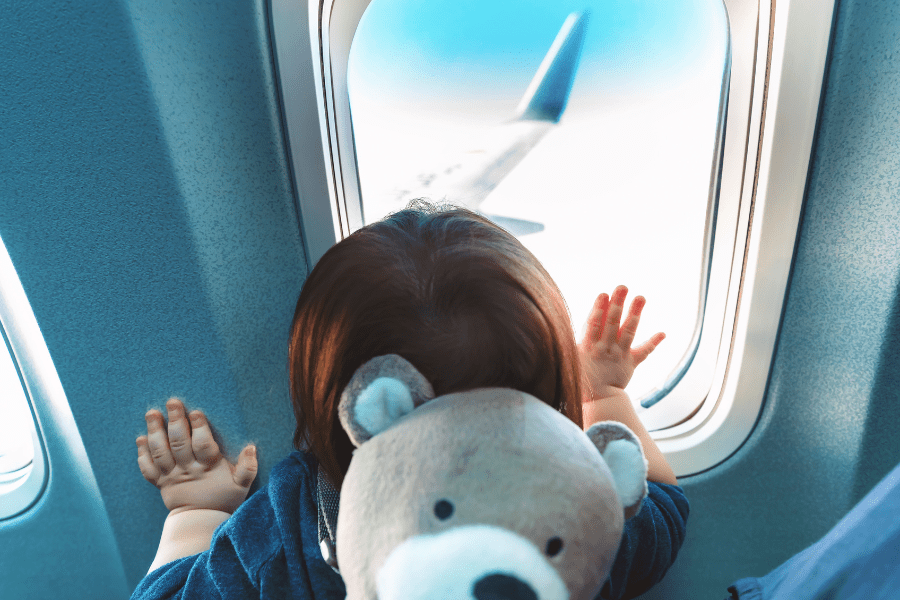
column 606, row 352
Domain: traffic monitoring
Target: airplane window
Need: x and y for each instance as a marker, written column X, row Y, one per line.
column 591, row 130
column 16, row 424
column 23, row 469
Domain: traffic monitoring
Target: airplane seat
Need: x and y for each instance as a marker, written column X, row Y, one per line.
column 856, row 559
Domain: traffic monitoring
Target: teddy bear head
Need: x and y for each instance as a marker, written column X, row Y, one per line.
column 483, row 494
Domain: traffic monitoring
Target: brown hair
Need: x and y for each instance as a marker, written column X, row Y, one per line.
column 454, row 294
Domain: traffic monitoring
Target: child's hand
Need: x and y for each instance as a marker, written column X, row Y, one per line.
column 186, row 465
column 606, row 351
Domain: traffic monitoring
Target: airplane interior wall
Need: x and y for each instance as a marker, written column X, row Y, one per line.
column 146, row 203
column 829, row 429
column 147, row 207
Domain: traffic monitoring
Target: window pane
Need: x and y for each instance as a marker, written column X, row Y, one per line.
column 16, row 424
column 616, row 192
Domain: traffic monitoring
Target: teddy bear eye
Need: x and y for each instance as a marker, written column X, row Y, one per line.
column 443, row 509
column 554, row 545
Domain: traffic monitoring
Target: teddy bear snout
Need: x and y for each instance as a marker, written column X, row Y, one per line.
column 472, row 562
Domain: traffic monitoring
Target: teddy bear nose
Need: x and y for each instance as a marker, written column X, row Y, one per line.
column 499, row 586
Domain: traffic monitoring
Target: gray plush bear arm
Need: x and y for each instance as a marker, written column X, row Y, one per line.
column 622, row 451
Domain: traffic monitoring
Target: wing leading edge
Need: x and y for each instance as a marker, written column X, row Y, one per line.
column 547, row 95
column 471, row 178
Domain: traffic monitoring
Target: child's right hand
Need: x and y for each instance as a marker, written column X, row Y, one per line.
column 606, row 353
column 186, row 465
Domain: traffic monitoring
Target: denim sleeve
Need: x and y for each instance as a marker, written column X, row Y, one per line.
column 650, row 542
column 267, row 550
column 239, row 552
column 168, row 581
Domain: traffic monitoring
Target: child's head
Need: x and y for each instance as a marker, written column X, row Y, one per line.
column 455, row 295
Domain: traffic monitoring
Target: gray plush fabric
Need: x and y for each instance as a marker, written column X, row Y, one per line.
column 607, row 431
column 389, row 365
column 473, row 483
column 601, row 434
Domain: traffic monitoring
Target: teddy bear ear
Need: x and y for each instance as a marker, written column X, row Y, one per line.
column 622, row 451
column 381, row 391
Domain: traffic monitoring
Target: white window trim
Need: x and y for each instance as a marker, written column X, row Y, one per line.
column 764, row 166
column 762, row 259
column 20, row 327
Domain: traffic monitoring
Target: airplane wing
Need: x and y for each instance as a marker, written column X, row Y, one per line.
column 469, row 179
column 547, row 94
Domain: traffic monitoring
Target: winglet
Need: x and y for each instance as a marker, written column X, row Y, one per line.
column 547, row 94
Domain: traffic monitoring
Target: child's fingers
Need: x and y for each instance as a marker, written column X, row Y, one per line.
column 179, row 434
column 158, row 440
column 145, row 463
column 204, row 446
column 649, row 346
column 611, row 326
column 631, row 323
column 245, row 471
column 595, row 319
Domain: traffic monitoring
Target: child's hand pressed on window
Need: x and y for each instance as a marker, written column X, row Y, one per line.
column 606, row 352
column 185, row 463
column 609, row 362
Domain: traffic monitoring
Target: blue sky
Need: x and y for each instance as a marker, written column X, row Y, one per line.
column 420, row 50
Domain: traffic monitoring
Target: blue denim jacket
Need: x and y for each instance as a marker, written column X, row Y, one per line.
column 269, row 548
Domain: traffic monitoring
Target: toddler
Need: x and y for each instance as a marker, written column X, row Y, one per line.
column 465, row 303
